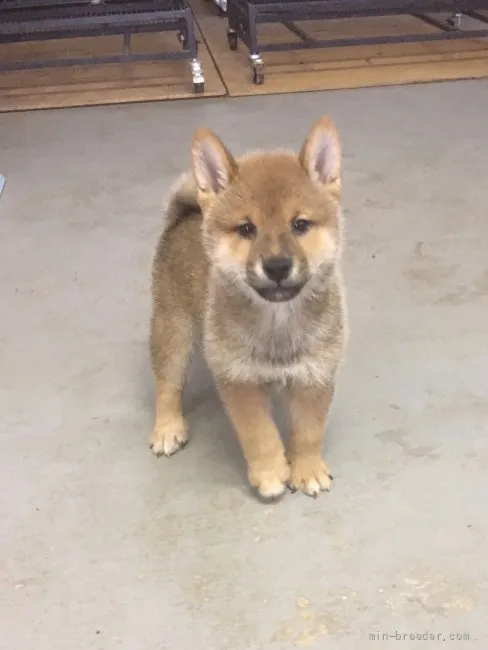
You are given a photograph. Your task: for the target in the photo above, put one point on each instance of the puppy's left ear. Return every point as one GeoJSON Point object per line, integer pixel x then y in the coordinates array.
{"type": "Point", "coordinates": [320, 154]}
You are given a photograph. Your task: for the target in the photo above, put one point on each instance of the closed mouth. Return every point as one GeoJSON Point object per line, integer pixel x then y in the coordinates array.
{"type": "Point", "coordinates": [279, 293]}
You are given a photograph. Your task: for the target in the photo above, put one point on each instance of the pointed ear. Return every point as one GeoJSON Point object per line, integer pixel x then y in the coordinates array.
{"type": "Point", "coordinates": [213, 165]}
{"type": "Point", "coordinates": [320, 154]}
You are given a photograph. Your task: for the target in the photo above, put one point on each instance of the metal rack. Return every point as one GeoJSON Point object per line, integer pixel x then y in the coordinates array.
{"type": "Point", "coordinates": [37, 20]}
{"type": "Point", "coordinates": [245, 15]}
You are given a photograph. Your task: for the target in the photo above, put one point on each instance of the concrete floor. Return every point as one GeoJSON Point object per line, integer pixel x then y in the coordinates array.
{"type": "Point", "coordinates": [102, 546]}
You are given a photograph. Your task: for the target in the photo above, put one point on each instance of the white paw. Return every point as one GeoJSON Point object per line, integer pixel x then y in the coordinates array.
{"type": "Point", "coordinates": [270, 477]}
{"type": "Point", "coordinates": [310, 475]}
{"type": "Point", "coordinates": [168, 437]}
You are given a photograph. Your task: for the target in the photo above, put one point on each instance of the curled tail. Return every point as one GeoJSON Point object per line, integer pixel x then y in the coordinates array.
{"type": "Point", "coordinates": [181, 202]}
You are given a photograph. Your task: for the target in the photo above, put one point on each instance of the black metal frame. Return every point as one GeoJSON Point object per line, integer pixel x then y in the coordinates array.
{"type": "Point", "coordinates": [245, 15]}
{"type": "Point", "coordinates": [39, 20]}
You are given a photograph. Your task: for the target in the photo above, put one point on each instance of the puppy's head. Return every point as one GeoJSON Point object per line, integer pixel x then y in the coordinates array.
{"type": "Point", "coordinates": [271, 220]}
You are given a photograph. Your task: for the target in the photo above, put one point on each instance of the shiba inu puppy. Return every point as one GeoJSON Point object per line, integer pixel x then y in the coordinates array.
{"type": "Point", "coordinates": [249, 264]}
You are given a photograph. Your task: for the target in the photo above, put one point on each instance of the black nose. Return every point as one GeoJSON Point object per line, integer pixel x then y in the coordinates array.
{"type": "Point", "coordinates": [277, 268]}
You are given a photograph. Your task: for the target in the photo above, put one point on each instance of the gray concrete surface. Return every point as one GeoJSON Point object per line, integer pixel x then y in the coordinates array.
{"type": "Point", "coordinates": [102, 546]}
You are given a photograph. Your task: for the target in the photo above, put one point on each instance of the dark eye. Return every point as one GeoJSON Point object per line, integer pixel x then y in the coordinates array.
{"type": "Point", "coordinates": [247, 230]}
{"type": "Point", "coordinates": [301, 226]}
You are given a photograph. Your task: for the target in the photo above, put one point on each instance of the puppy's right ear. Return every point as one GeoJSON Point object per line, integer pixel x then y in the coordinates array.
{"type": "Point", "coordinates": [213, 165]}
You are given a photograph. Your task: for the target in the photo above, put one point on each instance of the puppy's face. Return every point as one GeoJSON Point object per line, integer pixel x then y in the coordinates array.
{"type": "Point", "coordinates": [271, 220]}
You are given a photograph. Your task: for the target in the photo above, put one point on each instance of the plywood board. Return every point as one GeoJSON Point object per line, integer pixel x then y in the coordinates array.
{"type": "Point", "coordinates": [101, 84]}
{"type": "Point", "coordinates": [347, 67]}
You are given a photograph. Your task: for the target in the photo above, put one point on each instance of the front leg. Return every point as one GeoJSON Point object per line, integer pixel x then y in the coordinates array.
{"type": "Point", "coordinates": [308, 407]}
{"type": "Point", "coordinates": [248, 408]}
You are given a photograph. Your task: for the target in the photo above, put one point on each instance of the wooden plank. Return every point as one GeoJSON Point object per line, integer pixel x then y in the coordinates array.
{"type": "Point", "coordinates": [348, 67]}
{"type": "Point", "coordinates": [101, 84]}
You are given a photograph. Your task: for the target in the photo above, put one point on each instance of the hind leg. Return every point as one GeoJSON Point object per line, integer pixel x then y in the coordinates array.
{"type": "Point", "coordinates": [171, 344]}
{"type": "Point", "coordinates": [248, 408]}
